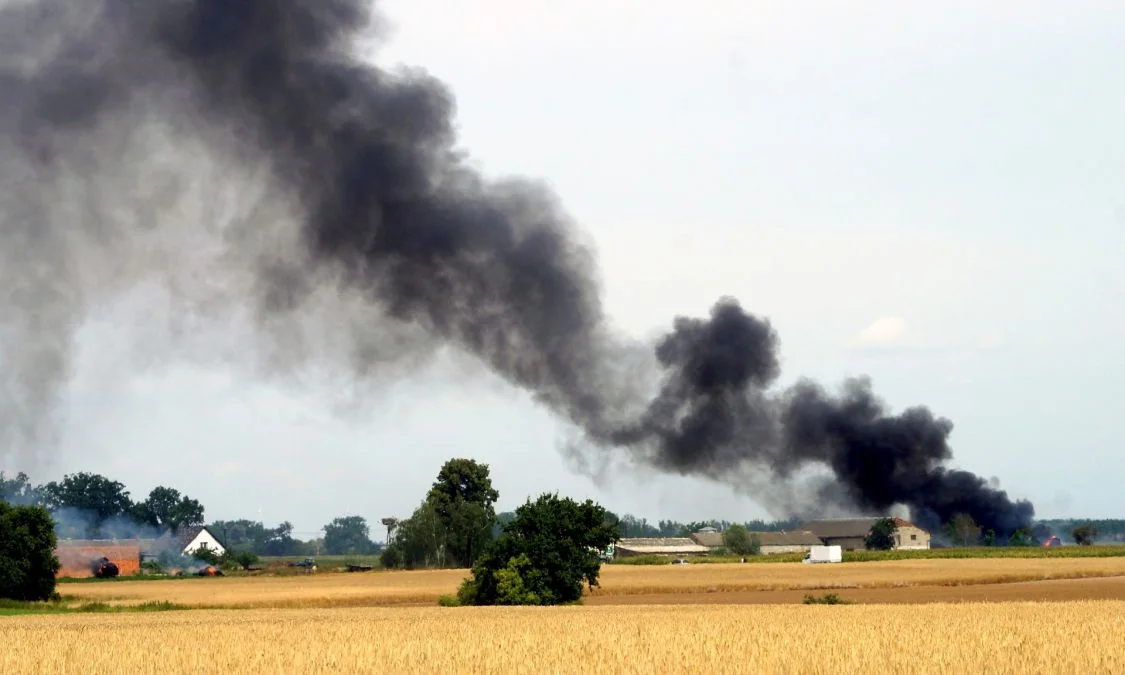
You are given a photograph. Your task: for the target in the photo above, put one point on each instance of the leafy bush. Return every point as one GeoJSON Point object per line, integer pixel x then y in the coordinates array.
{"type": "Point", "coordinates": [828, 599]}
{"type": "Point", "coordinates": [741, 542]}
{"type": "Point", "coordinates": [391, 557]}
{"type": "Point", "coordinates": [151, 567]}
{"type": "Point", "coordinates": [514, 582]}
{"type": "Point", "coordinates": [1084, 535]}
{"type": "Point", "coordinates": [208, 556]}
{"type": "Point", "coordinates": [28, 564]}
{"type": "Point", "coordinates": [543, 556]}
{"type": "Point", "coordinates": [244, 559]}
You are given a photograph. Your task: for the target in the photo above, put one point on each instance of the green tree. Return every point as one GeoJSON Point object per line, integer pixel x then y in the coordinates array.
{"type": "Point", "coordinates": [1084, 535]}
{"type": "Point", "coordinates": [463, 499]}
{"type": "Point", "coordinates": [18, 491]}
{"type": "Point", "coordinates": [166, 507]}
{"type": "Point", "coordinates": [740, 541]}
{"type": "Point", "coordinates": [419, 541]}
{"type": "Point", "coordinates": [245, 559]}
{"type": "Point", "coordinates": [1020, 537]}
{"type": "Point", "coordinates": [280, 541]}
{"type": "Point", "coordinates": [28, 564]}
{"type": "Point", "coordinates": [347, 536]}
{"type": "Point", "coordinates": [962, 530]}
{"type": "Point", "coordinates": [543, 556]}
{"type": "Point", "coordinates": [882, 535]}
{"type": "Point", "coordinates": [94, 497]}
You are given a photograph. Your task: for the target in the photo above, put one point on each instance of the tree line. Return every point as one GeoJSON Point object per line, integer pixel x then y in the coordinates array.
{"type": "Point", "coordinates": [91, 506]}
{"type": "Point", "coordinates": [962, 530]}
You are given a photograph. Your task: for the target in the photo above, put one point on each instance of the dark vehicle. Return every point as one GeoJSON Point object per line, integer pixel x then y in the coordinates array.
{"type": "Point", "coordinates": [105, 568]}
{"type": "Point", "coordinates": [308, 564]}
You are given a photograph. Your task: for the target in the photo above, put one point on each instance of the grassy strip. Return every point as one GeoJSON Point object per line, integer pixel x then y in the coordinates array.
{"type": "Point", "coordinates": [137, 577]}
{"type": "Point", "coordinates": [925, 554]}
{"type": "Point", "coordinates": [66, 606]}
{"type": "Point", "coordinates": [324, 560]}
{"type": "Point", "coordinates": [990, 552]}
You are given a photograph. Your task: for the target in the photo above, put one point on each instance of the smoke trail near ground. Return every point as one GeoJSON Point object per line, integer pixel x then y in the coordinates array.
{"type": "Point", "coordinates": [358, 221]}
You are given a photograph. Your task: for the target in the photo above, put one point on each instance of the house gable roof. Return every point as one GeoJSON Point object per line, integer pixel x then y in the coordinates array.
{"type": "Point", "coordinates": [181, 537]}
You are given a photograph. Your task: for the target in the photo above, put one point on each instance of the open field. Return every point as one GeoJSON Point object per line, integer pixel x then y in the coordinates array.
{"type": "Point", "coordinates": [705, 583]}
{"type": "Point", "coordinates": [1003, 638]}
{"type": "Point", "coordinates": [1101, 551]}
{"type": "Point", "coordinates": [1052, 590]}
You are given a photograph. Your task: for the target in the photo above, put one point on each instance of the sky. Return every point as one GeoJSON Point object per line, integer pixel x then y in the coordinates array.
{"type": "Point", "coordinates": [929, 195]}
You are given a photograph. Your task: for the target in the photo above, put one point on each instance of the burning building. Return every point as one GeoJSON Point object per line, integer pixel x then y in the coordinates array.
{"type": "Point", "coordinates": [81, 559]}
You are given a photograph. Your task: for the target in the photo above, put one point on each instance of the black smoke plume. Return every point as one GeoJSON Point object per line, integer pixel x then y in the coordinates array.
{"type": "Point", "coordinates": [364, 236]}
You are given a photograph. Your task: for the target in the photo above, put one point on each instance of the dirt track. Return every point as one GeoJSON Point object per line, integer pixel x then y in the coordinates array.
{"type": "Point", "coordinates": [1106, 588]}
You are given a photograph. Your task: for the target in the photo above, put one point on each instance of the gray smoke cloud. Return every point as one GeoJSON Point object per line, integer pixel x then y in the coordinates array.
{"type": "Point", "coordinates": [243, 156]}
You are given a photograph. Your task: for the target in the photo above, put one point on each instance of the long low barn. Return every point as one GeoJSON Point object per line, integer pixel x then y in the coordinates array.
{"type": "Point", "coordinates": [787, 542]}
{"type": "Point", "coordinates": [772, 542]}
{"type": "Point", "coordinates": [671, 546]}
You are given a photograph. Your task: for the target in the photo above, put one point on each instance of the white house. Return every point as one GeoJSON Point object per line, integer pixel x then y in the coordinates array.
{"type": "Point", "coordinates": [188, 540]}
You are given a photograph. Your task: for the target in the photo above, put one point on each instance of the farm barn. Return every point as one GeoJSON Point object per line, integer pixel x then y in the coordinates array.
{"type": "Point", "coordinates": [673, 546]}
{"type": "Point", "coordinates": [849, 533]}
{"type": "Point", "coordinates": [787, 542]}
{"type": "Point", "coordinates": [772, 542]}
{"type": "Point", "coordinates": [709, 537]}
{"type": "Point", "coordinates": [79, 556]}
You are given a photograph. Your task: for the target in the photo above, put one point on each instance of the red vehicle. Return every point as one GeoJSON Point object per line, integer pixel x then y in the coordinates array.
{"type": "Point", "coordinates": [1052, 541]}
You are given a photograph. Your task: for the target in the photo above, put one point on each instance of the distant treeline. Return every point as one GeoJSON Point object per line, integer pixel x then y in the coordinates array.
{"type": "Point", "coordinates": [629, 526]}
{"type": "Point", "coordinates": [1108, 529]}
{"type": "Point", "coordinates": [91, 505]}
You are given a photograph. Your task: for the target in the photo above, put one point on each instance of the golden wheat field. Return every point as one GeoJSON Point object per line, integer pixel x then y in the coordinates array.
{"type": "Point", "coordinates": [424, 587]}
{"type": "Point", "coordinates": [984, 638]}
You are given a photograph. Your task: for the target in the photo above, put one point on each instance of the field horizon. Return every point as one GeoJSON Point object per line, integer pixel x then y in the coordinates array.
{"type": "Point", "coordinates": [718, 582]}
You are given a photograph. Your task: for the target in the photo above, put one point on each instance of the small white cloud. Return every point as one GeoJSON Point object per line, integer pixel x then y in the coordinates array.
{"type": "Point", "coordinates": [884, 332]}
